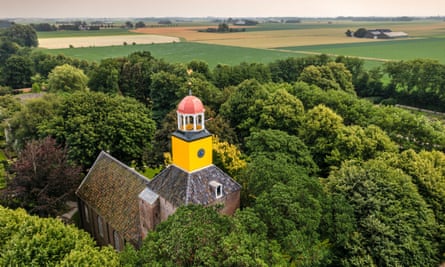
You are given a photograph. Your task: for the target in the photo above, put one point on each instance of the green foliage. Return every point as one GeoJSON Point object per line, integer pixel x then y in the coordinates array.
{"type": "Point", "coordinates": [105, 77]}
{"type": "Point", "coordinates": [428, 171]}
{"type": "Point", "coordinates": [281, 111]}
{"type": "Point", "coordinates": [394, 224]}
{"type": "Point", "coordinates": [190, 237]}
{"type": "Point", "coordinates": [274, 144]}
{"type": "Point", "coordinates": [331, 76]}
{"type": "Point", "coordinates": [68, 79]}
{"type": "Point", "coordinates": [24, 123]}
{"type": "Point", "coordinates": [200, 236]}
{"type": "Point", "coordinates": [44, 179]}
{"type": "Point", "coordinates": [17, 71]}
{"type": "Point", "coordinates": [417, 82]}
{"type": "Point", "coordinates": [32, 241]}
{"type": "Point", "coordinates": [89, 122]}
{"type": "Point", "coordinates": [24, 35]}
{"type": "Point", "coordinates": [292, 213]}
{"type": "Point", "coordinates": [243, 107]}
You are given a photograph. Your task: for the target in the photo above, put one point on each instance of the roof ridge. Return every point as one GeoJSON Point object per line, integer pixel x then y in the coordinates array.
{"type": "Point", "coordinates": [187, 192]}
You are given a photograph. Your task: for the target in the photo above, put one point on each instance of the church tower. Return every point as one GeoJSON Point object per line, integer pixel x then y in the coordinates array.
{"type": "Point", "coordinates": [191, 142]}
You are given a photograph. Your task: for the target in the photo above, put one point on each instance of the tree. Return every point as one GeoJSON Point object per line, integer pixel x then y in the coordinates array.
{"type": "Point", "coordinates": [247, 243]}
{"type": "Point", "coordinates": [320, 129]}
{"type": "Point", "coordinates": [24, 35]}
{"type": "Point", "coordinates": [89, 122]}
{"type": "Point", "coordinates": [263, 171]}
{"type": "Point", "coordinates": [427, 169]}
{"type": "Point", "coordinates": [192, 236]}
{"type": "Point", "coordinates": [24, 124]}
{"type": "Point", "coordinates": [67, 78]}
{"type": "Point", "coordinates": [44, 178]}
{"type": "Point", "coordinates": [7, 49]}
{"type": "Point", "coordinates": [139, 24]}
{"type": "Point", "coordinates": [360, 33]}
{"type": "Point", "coordinates": [227, 157]}
{"type": "Point", "coordinates": [105, 77]}
{"type": "Point", "coordinates": [275, 143]}
{"type": "Point", "coordinates": [292, 213]}
{"type": "Point", "coordinates": [394, 224]}
{"type": "Point", "coordinates": [17, 71]}
{"type": "Point", "coordinates": [129, 24]}
{"type": "Point", "coordinates": [32, 241]}
{"type": "Point", "coordinates": [243, 107]}
{"type": "Point", "coordinates": [164, 93]}
{"type": "Point", "coordinates": [329, 76]}
{"type": "Point", "coordinates": [282, 111]}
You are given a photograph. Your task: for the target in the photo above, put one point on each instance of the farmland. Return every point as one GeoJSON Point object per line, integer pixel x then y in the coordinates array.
{"type": "Point", "coordinates": [268, 42]}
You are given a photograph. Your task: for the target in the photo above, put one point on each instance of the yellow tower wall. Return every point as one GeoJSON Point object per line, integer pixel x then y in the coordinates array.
{"type": "Point", "coordinates": [185, 153]}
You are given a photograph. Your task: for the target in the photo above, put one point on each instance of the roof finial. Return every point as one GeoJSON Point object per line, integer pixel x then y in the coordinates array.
{"type": "Point", "coordinates": [190, 91]}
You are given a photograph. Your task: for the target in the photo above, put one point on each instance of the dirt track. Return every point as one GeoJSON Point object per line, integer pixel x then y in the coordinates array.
{"type": "Point", "coordinates": [53, 43]}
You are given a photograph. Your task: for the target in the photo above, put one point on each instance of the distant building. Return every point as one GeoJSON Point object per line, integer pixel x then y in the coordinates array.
{"type": "Point", "coordinates": [384, 34]}
{"type": "Point", "coordinates": [118, 205]}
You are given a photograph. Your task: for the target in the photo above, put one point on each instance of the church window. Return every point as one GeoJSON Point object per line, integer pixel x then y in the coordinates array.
{"type": "Point", "coordinates": [100, 226]}
{"type": "Point", "coordinates": [217, 188]}
{"type": "Point", "coordinates": [87, 215]}
{"type": "Point", "coordinates": [117, 239]}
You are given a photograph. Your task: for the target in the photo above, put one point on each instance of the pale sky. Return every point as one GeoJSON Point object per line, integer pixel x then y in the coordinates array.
{"type": "Point", "coordinates": [222, 8]}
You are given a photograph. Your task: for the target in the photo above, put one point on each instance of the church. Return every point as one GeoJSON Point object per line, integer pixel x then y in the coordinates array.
{"type": "Point", "coordinates": [117, 205]}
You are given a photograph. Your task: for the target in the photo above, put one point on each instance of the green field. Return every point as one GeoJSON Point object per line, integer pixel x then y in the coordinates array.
{"type": "Point", "coordinates": [404, 49]}
{"type": "Point", "coordinates": [61, 34]}
{"type": "Point", "coordinates": [182, 52]}
{"type": "Point", "coordinates": [427, 40]}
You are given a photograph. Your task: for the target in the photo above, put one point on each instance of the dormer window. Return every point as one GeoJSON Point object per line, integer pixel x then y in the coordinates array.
{"type": "Point", "coordinates": [217, 189]}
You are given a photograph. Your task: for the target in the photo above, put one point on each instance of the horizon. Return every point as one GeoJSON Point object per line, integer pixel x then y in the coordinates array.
{"type": "Point", "coordinates": [53, 9]}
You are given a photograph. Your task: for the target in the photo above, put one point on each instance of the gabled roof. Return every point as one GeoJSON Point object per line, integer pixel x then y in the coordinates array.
{"type": "Point", "coordinates": [396, 34]}
{"type": "Point", "coordinates": [180, 187]}
{"type": "Point", "coordinates": [111, 188]}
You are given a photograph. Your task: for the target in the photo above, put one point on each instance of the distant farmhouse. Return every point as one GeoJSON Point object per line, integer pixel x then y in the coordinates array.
{"type": "Point", "coordinates": [375, 34]}
{"type": "Point", "coordinates": [384, 34]}
{"type": "Point", "coordinates": [118, 205]}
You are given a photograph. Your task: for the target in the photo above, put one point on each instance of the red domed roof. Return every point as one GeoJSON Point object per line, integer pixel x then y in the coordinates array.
{"type": "Point", "coordinates": [190, 105]}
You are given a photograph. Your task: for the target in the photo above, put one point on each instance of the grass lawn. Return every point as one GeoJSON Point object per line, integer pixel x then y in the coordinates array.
{"type": "Point", "coordinates": [182, 52]}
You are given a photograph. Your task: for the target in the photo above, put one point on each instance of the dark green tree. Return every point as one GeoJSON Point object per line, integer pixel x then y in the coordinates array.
{"type": "Point", "coordinates": [89, 122]}
{"type": "Point", "coordinates": [105, 77]}
{"type": "Point", "coordinates": [293, 213]}
{"type": "Point", "coordinates": [192, 236]}
{"type": "Point", "coordinates": [275, 143]}
{"type": "Point", "coordinates": [17, 71]}
{"type": "Point", "coordinates": [394, 224]}
{"type": "Point", "coordinates": [243, 107]}
{"type": "Point", "coordinates": [24, 35]}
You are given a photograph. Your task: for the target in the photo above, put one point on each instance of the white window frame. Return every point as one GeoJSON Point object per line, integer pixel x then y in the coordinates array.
{"type": "Point", "coordinates": [217, 188]}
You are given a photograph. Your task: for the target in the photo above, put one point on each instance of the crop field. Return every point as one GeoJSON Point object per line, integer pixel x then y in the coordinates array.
{"type": "Point", "coordinates": [182, 52]}
{"type": "Point", "coordinates": [270, 41]}
{"type": "Point", "coordinates": [102, 41]}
